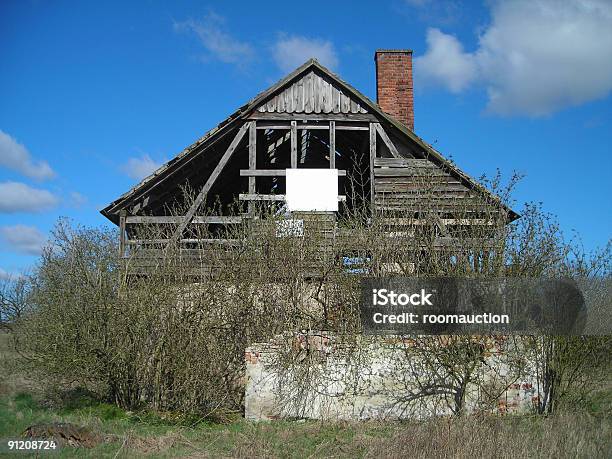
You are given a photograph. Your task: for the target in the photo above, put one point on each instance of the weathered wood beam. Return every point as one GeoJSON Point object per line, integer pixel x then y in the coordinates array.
{"type": "Point", "coordinates": [294, 144]}
{"type": "Point", "coordinates": [352, 128]}
{"type": "Point", "coordinates": [274, 126]}
{"type": "Point", "coordinates": [261, 197]}
{"type": "Point", "coordinates": [165, 241]}
{"type": "Point", "coordinates": [271, 197]}
{"type": "Point", "coordinates": [372, 158]}
{"type": "Point", "coordinates": [404, 162]}
{"type": "Point", "coordinates": [211, 219]}
{"type": "Point", "coordinates": [272, 172]}
{"type": "Point", "coordinates": [409, 171]}
{"type": "Point", "coordinates": [300, 126]}
{"type": "Point", "coordinates": [201, 197]}
{"type": "Point", "coordinates": [448, 242]}
{"type": "Point", "coordinates": [313, 117]}
{"type": "Point", "coordinates": [332, 144]}
{"type": "Point", "coordinates": [403, 221]}
{"type": "Point", "coordinates": [252, 157]}
{"type": "Point", "coordinates": [122, 232]}
{"type": "Point", "coordinates": [387, 141]}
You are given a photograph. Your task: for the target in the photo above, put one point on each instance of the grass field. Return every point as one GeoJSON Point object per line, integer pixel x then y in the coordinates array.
{"type": "Point", "coordinates": [586, 433]}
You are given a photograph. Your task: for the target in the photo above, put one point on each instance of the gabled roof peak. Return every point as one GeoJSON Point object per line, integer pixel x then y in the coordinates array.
{"type": "Point", "coordinates": [244, 112]}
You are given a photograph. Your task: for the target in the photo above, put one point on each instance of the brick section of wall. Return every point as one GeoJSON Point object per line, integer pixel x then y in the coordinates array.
{"type": "Point", "coordinates": [394, 90]}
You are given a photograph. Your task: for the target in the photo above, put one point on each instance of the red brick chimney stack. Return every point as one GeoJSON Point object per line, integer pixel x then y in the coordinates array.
{"type": "Point", "coordinates": [394, 84]}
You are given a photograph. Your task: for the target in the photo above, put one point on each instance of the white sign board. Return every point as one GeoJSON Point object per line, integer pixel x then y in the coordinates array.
{"type": "Point", "coordinates": [312, 190]}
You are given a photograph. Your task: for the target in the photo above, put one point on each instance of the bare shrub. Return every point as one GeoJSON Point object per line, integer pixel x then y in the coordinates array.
{"type": "Point", "coordinates": [167, 324]}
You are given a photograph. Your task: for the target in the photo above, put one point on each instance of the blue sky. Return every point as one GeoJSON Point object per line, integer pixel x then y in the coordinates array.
{"type": "Point", "coordinates": [94, 95]}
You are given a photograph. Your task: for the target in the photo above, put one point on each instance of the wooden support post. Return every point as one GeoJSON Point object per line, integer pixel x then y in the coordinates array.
{"type": "Point", "coordinates": [385, 138]}
{"type": "Point", "coordinates": [372, 156]}
{"type": "Point", "coordinates": [294, 141]}
{"type": "Point", "coordinates": [122, 233]}
{"type": "Point", "coordinates": [201, 197]}
{"type": "Point", "coordinates": [252, 160]}
{"type": "Point", "coordinates": [332, 144]}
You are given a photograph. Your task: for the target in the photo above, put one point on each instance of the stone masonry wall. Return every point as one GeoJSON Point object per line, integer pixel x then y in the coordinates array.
{"type": "Point", "coordinates": [313, 376]}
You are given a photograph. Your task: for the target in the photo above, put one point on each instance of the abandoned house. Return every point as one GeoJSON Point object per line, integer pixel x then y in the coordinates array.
{"type": "Point", "coordinates": [299, 146]}
{"type": "Point", "coordinates": [313, 148]}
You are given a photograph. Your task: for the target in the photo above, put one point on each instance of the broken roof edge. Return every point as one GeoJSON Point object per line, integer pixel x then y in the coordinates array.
{"type": "Point", "coordinates": [110, 211]}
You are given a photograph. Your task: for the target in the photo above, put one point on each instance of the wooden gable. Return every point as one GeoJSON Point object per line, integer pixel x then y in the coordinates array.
{"type": "Point", "coordinates": [314, 92]}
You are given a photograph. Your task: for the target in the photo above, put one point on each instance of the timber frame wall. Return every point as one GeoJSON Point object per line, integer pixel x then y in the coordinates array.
{"type": "Point", "coordinates": [387, 174]}
{"type": "Point", "coordinates": [403, 170]}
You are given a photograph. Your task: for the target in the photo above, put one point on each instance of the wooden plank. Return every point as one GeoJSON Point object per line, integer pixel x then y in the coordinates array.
{"type": "Point", "coordinates": [271, 105]}
{"type": "Point", "coordinates": [274, 126]}
{"type": "Point", "coordinates": [196, 241]}
{"type": "Point", "coordinates": [387, 141]}
{"type": "Point", "coordinates": [366, 117]}
{"type": "Point", "coordinates": [261, 197]}
{"type": "Point", "coordinates": [294, 144]}
{"type": "Point", "coordinates": [272, 197]}
{"type": "Point", "coordinates": [372, 158]}
{"type": "Point", "coordinates": [252, 158]}
{"type": "Point", "coordinates": [299, 96]}
{"type": "Point", "coordinates": [406, 172]}
{"type": "Point", "coordinates": [332, 145]}
{"type": "Point", "coordinates": [311, 88]}
{"type": "Point", "coordinates": [252, 153]}
{"type": "Point", "coordinates": [399, 221]}
{"type": "Point", "coordinates": [335, 100]}
{"type": "Point", "coordinates": [280, 102]}
{"type": "Point", "coordinates": [279, 126]}
{"type": "Point", "coordinates": [317, 93]}
{"type": "Point", "coordinates": [417, 180]}
{"type": "Point", "coordinates": [308, 93]}
{"type": "Point", "coordinates": [122, 232]}
{"type": "Point", "coordinates": [201, 197]}
{"type": "Point", "coordinates": [163, 219]}
{"type": "Point", "coordinates": [391, 187]}
{"type": "Point", "coordinates": [352, 128]}
{"type": "Point", "coordinates": [327, 97]}
{"type": "Point", "coordinates": [312, 127]}
{"type": "Point", "coordinates": [403, 162]}
{"type": "Point", "coordinates": [273, 173]}
{"type": "Point", "coordinates": [345, 103]}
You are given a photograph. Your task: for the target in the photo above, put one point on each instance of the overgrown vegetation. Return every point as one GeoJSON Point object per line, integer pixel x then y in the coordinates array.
{"type": "Point", "coordinates": [164, 330]}
{"type": "Point", "coordinates": [134, 434]}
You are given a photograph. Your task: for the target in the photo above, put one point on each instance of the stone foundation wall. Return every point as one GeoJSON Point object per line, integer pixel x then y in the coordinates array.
{"type": "Point", "coordinates": [316, 376]}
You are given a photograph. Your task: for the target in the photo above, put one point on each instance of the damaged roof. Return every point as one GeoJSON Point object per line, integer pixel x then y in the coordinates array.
{"type": "Point", "coordinates": [111, 211]}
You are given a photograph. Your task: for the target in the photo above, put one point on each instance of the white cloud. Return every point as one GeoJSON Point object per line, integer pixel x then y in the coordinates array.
{"type": "Point", "coordinates": [23, 239]}
{"type": "Point", "coordinates": [289, 52]}
{"type": "Point", "coordinates": [217, 41]}
{"type": "Point", "coordinates": [139, 168]}
{"type": "Point", "coordinates": [15, 156]}
{"type": "Point", "coordinates": [19, 197]}
{"type": "Point", "coordinates": [536, 57]}
{"type": "Point", "coordinates": [445, 64]}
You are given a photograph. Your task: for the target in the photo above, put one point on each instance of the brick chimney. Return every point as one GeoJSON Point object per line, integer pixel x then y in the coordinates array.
{"type": "Point", "coordinates": [394, 84]}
